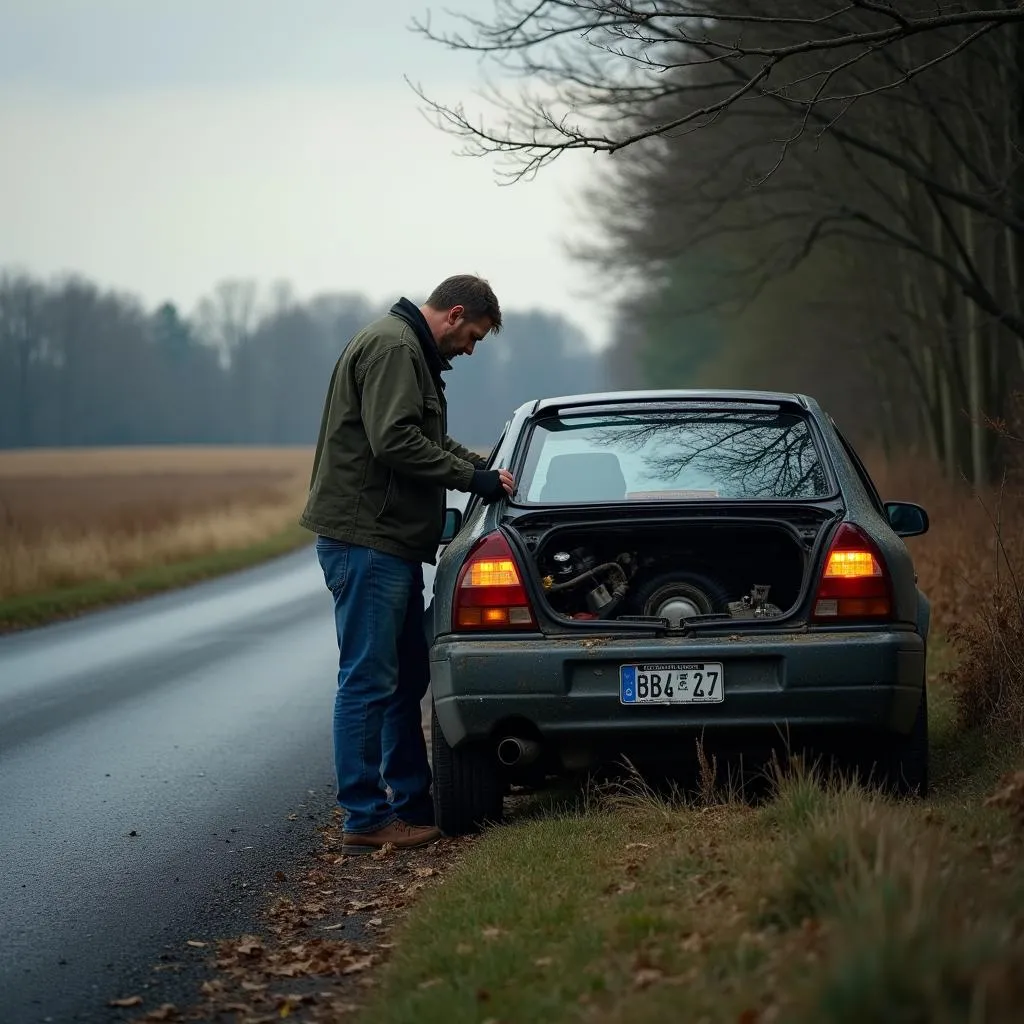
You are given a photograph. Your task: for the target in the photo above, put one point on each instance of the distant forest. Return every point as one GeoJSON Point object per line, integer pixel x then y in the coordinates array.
{"type": "Point", "coordinates": [83, 366]}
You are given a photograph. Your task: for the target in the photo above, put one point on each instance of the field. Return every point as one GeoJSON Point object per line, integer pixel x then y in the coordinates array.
{"type": "Point", "coordinates": [84, 527]}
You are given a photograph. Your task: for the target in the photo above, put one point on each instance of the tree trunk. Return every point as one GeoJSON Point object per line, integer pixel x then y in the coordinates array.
{"type": "Point", "coordinates": [977, 373]}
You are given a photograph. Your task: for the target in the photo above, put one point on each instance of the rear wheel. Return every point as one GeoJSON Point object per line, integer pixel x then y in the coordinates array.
{"type": "Point", "coordinates": [908, 756]}
{"type": "Point", "coordinates": [467, 788]}
{"type": "Point", "coordinates": [900, 767]}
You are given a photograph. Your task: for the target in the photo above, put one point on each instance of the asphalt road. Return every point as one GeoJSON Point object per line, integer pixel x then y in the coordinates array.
{"type": "Point", "coordinates": [152, 758]}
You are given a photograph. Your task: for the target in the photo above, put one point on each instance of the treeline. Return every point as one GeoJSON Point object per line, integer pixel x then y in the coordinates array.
{"type": "Point", "coordinates": [810, 194]}
{"type": "Point", "coordinates": [83, 366]}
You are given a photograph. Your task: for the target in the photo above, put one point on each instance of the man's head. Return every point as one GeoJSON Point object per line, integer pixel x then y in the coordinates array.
{"type": "Point", "coordinates": [460, 311]}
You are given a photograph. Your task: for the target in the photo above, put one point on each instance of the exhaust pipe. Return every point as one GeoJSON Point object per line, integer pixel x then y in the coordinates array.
{"type": "Point", "coordinates": [514, 752]}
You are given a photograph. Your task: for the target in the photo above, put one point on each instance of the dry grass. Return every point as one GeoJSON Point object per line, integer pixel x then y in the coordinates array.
{"type": "Point", "coordinates": [829, 904]}
{"type": "Point", "coordinates": [70, 517]}
{"type": "Point", "coordinates": [971, 566]}
{"type": "Point", "coordinates": [975, 544]}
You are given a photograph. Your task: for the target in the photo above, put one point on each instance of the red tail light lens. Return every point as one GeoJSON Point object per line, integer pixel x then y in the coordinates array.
{"type": "Point", "coordinates": [490, 593]}
{"type": "Point", "coordinates": [854, 583]}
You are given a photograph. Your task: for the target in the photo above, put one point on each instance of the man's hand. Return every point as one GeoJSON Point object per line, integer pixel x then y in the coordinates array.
{"type": "Point", "coordinates": [492, 484]}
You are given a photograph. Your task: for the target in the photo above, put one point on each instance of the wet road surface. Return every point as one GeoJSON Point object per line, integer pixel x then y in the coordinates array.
{"type": "Point", "coordinates": [154, 759]}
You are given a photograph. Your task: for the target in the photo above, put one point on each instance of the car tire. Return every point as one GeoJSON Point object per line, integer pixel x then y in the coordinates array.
{"type": "Point", "coordinates": [905, 771]}
{"type": "Point", "coordinates": [468, 791]}
{"type": "Point", "coordinates": [714, 595]}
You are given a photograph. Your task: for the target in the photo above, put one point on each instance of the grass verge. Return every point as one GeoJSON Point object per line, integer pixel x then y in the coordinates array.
{"type": "Point", "coordinates": [27, 610]}
{"type": "Point", "coordinates": [828, 904]}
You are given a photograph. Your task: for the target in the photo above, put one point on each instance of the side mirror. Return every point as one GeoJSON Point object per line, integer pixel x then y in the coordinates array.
{"type": "Point", "coordinates": [452, 524]}
{"type": "Point", "coordinates": [906, 519]}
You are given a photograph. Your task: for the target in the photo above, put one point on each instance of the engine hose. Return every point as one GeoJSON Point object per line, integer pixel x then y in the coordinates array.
{"type": "Point", "coordinates": [589, 574]}
{"type": "Point", "coordinates": [617, 595]}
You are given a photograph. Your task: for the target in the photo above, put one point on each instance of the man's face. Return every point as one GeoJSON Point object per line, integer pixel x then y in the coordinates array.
{"type": "Point", "coordinates": [460, 335]}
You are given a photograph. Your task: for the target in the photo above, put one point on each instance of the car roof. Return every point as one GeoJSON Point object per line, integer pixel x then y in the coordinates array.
{"type": "Point", "coordinates": [672, 395]}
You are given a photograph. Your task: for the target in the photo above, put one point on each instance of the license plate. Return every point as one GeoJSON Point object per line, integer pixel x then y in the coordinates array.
{"type": "Point", "coordinates": [697, 683]}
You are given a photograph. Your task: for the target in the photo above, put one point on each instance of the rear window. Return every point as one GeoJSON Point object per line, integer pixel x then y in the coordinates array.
{"type": "Point", "coordinates": [671, 456]}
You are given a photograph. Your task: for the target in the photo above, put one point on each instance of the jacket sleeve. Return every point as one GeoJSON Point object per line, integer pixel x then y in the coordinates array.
{"type": "Point", "coordinates": [477, 461]}
{"type": "Point", "coordinates": [391, 407]}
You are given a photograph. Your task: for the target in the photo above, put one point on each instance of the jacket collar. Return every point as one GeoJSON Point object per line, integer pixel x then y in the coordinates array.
{"type": "Point", "coordinates": [410, 313]}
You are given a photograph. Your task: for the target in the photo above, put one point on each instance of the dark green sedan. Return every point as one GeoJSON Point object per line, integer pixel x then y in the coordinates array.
{"type": "Point", "coordinates": [674, 566]}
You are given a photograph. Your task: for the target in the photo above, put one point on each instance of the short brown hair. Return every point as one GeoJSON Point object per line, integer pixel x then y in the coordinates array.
{"type": "Point", "coordinates": [471, 292]}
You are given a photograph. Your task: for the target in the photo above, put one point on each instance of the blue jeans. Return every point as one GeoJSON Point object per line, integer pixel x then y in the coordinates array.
{"type": "Point", "coordinates": [383, 674]}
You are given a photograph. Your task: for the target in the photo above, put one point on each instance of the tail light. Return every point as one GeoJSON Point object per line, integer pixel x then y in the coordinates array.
{"type": "Point", "coordinates": [490, 593]}
{"type": "Point", "coordinates": [854, 583]}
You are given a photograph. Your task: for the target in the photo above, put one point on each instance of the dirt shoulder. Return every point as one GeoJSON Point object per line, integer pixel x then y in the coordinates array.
{"type": "Point", "coordinates": [323, 933]}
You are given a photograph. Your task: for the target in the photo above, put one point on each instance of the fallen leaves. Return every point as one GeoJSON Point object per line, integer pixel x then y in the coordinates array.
{"type": "Point", "coordinates": [165, 1012]}
{"type": "Point", "coordinates": [126, 1002]}
{"type": "Point", "coordinates": [316, 957]}
{"type": "Point", "coordinates": [249, 945]}
{"type": "Point", "coordinates": [360, 964]}
{"type": "Point", "coordinates": [265, 975]}
{"type": "Point", "coordinates": [355, 906]}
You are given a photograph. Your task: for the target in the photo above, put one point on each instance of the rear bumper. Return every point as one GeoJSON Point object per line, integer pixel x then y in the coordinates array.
{"type": "Point", "coordinates": [568, 689]}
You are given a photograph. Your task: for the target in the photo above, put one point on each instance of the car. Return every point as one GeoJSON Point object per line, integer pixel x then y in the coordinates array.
{"type": "Point", "coordinates": [673, 566]}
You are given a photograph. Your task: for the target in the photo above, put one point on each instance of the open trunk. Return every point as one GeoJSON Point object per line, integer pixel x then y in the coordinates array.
{"type": "Point", "coordinates": [674, 572]}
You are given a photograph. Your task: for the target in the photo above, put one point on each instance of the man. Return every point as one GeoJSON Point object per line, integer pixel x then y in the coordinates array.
{"type": "Point", "coordinates": [376, 502]}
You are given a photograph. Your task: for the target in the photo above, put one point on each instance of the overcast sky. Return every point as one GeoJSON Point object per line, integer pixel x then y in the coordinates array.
{"type": "Point", "coordinates": [162, 145]}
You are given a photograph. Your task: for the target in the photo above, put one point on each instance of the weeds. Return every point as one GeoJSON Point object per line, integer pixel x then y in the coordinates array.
{"type": "Point", "coordinates": [634, 790]}
{"type": "Point", "coordinates": [971, 566]}
{"type": "Point", "coordinates": [849, 838]}
{"type": "Point", "coordinates": [829, 904]}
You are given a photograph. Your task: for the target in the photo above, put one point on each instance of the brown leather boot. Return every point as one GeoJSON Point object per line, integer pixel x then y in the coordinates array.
{"type": "Point", "coordinates": [398, 834]}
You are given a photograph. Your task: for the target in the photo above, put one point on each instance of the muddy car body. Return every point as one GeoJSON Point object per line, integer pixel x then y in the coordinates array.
{"type": "Point", "coordinates": [674, 565]}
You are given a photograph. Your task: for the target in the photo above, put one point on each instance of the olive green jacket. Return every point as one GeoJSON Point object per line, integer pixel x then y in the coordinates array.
{"type": "Point", "coordinates": [383, 456]}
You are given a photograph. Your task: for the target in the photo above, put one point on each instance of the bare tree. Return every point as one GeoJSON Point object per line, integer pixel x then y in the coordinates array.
{"type": "Point", "coordinates": [893, 131]}
{"type": "Point", "coordinates": [227, 318]}
{"type": "Point", "coordinates": [21, 346]}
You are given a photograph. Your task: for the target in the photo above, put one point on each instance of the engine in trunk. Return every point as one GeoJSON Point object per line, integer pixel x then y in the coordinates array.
{"type": "Point", "coordinates": [672, 572]}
